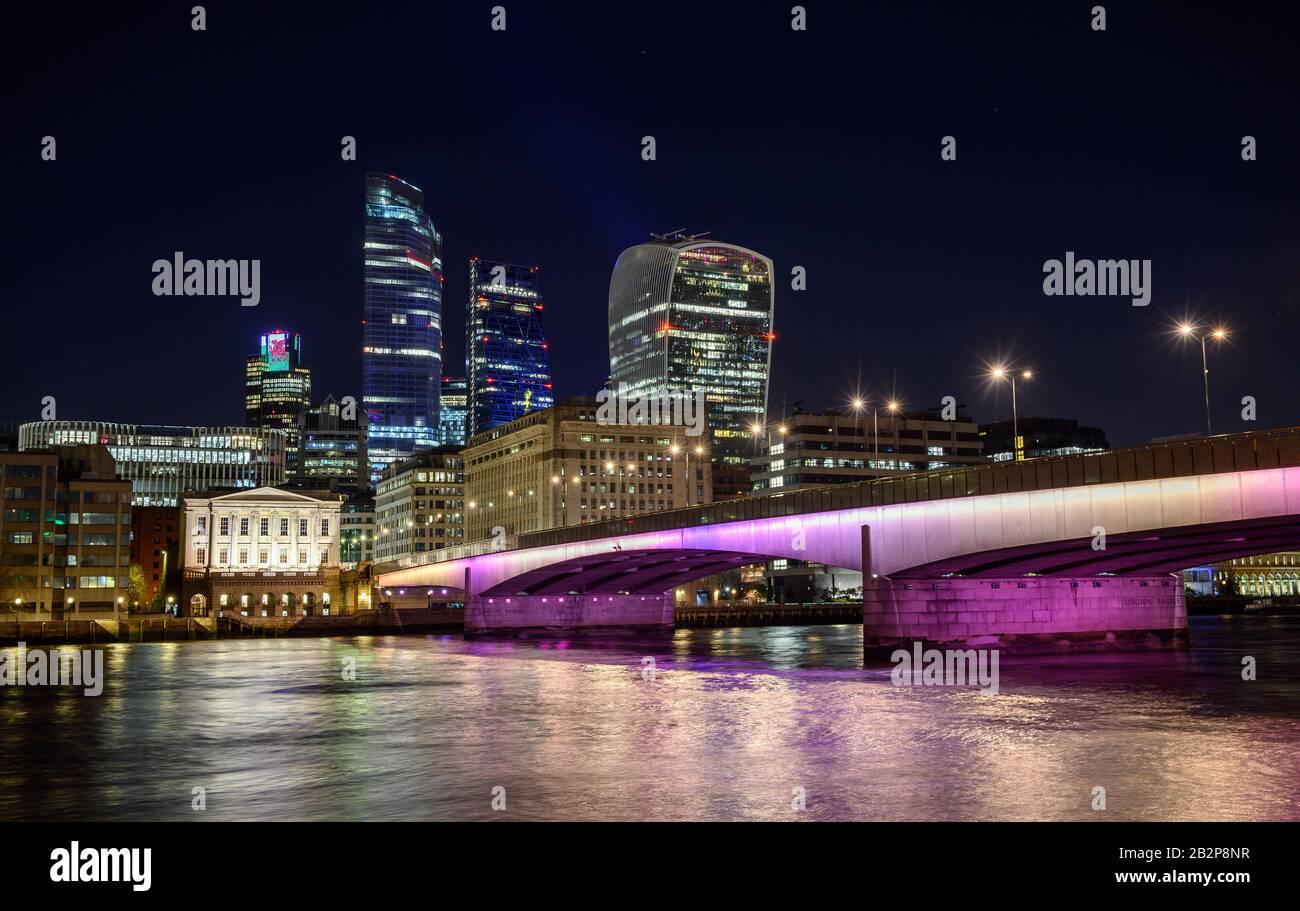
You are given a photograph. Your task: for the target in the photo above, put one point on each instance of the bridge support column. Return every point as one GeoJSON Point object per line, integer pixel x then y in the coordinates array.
{"type": "Point", "coordinates": [1024, 614]}
{"type": "Point", "coordinates": [544, 616]}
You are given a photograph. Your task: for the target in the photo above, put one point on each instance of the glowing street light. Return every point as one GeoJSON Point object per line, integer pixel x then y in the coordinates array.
{"type": "Point", "coordinates": [1219, 334]}
{"type": "Point", "coordinates": [1002, 373]}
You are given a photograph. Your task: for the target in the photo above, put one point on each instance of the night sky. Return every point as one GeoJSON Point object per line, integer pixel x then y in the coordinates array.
{"type": "Point", "coordinates": [817, 148]}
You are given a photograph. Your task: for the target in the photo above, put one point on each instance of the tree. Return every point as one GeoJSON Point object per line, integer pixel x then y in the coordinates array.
{"type": "Point", "coordinates": [136, 587]}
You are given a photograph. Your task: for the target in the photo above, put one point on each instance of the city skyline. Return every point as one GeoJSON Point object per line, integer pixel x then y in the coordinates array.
{"type": "Point", "coordinates": [733, 412]}
{"type": "Point", "coordinates": [937, 312]}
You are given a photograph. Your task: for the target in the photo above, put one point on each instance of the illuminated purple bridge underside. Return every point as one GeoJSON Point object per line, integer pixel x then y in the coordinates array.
{"type": "Point", "coordinates": [936, 570]}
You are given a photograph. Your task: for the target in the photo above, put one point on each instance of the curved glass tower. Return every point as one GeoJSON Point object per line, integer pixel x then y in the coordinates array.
{"type": "Point", "coordinates": [687, 315]}
{"type": "Point", "coordinates": [507, 365]}
{"type": "Point", "coordinates": [401, 359]}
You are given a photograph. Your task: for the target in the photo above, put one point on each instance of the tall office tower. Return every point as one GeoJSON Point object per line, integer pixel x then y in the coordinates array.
{"type": "Point", "coordinates": [687, 314]}
{"type": "Point", "coordinates": [401, 355]}
{"type": "Point", "coordinates": [332, 448]}
{"type": "Point", "coordinates": [453, 411]}
{"type": "Point", "coordinates": [507, 366]}
{"type": "Point", "coordinates": [277, 388]}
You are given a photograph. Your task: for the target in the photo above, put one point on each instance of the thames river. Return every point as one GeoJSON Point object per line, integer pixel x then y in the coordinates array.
{"type": "Point", "coordinates": [779, 723]}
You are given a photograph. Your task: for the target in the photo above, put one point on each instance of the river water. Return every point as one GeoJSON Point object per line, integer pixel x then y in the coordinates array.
{"type": "Point", "coordinates": [729, 725]}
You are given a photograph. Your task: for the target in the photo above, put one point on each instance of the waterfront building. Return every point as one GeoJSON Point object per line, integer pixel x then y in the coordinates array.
{"type": "Point", "coordinates": [1041, 437]}
{"type": "Point", "coordinates": [162, 462]}
{"type": "Point", "coordinates": [814, 450]}
{"type": "Point", "coordinates": [401, 354]}
{"type": "Point", "coordinates": [453, 414]}
{"type": "Point", "coordinates": [1265, 576]}
{"type": "Point", "coordinates": [507, 363]}
{"type": "Point", "coordinates": [260, 553]}
{"type": "Point", "coordinates": [420, 505]}
{"type": "Point", "coordinates": [357, 536]}
{"type": "Point", "coordinates": [690, 314]}
{"type": "Point", "coordinates": [277, 388]}
{"type": "Point", "coordinates": [560, 467]}
{"type": "Point", "coordinates": [155, 548]}
{"type": "Point", "coordinates": [332, 448]}
{"type": "Point", "coordinates": [65, 534]}
{"type": "Point", "coordinates": [817, 450]}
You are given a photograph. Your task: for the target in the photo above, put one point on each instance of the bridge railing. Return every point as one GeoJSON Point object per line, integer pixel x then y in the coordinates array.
{"type": "Point", "coordinates": [1182, 458]}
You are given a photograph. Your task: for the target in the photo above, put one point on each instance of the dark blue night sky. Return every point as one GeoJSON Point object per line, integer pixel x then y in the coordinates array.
{"type": "Point", "coordinates": [819, 148]}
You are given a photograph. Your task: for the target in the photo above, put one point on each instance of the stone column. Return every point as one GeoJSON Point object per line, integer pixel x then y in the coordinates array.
{"type": "Point", "coordinates": [1025, 614]}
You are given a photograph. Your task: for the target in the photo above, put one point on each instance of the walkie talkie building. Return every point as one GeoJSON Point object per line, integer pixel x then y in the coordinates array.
{"type": "Point", "coordinates": [687, 314]}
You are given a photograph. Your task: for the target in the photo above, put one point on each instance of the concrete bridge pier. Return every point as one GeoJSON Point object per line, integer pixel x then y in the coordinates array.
{"type": "Point", "coordinates": [1021, 614]}
{"type": "Point", "coordinates": [568, 616]}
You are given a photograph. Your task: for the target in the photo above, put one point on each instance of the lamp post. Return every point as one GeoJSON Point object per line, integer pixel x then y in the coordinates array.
{"type": "Point", "coordinates": [857, 405]}
{"type": "Point", "coordinates": [892, 406]}
{"type": "Point", "coordinates": [1218, 334]}
{"type": "Point", "coordinates": [1001, 373]}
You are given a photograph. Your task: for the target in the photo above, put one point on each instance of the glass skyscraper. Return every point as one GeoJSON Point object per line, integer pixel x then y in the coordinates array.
{"type": "Point", "coordinates": [507, 365]}
{"type": "Point", "coordinates": [453, 411]}
{"type": "Point", "coordinates": [277, 387]}
{"type": "Point", "coordinates": [687, 314]}
{"type": "Point", "coordinates": [401, 355]}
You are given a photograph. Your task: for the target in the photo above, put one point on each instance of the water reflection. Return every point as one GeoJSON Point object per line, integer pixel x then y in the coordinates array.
{"type": "Point", "coordinates": [732, 722]}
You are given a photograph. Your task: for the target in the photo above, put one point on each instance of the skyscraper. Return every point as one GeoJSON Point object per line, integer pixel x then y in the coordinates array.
{"type": "Point", "coordinates": [687, 314]}
{"type": "Point", "coordinates": [332, 448]}
{"type": "Point", "coordinates": [401, 359]}
{"type": "Point", "coordinates": [507, 366]}
{"type": "Point", "coordinates": [277, 387]}
{"type": "Point", "coordinates": [453, 411]}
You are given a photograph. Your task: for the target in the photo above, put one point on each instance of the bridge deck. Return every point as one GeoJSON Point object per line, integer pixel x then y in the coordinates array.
{"type": "Point", "coordinates": [1252, 451]}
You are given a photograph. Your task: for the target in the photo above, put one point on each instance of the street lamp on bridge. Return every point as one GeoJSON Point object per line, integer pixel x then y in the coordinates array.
{"type": "Point", "coordinates": [893, 406]}
{"type": "Point", "coordinates": [1187, 330]}
{"type": "Point", "coordinates": [1002, 373]}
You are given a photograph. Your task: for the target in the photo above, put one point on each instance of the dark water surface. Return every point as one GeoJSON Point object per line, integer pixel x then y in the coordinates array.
{"type": "Point", "coordinates": [733, 721]}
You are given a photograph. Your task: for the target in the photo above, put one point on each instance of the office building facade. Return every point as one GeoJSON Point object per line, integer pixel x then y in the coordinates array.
{"type": "Point", "coordinates": [561, 467]}
{"type": "Point", "coordinates": [1040, 437]}
{"type": "Point", "coordinates": [687, 314]}
{"type": "Point", "coordinates": [814, 450]}
{"type": "Point", "coordinates": [163, 462]}
{"type": "Point", "coordinates": [357, 536]}
{"type": "Point", "coordinates": [65, 534]}
{"type": "Point", "coordinates": [507, 361]}
{"type": "Point", "coordinates": [453, 413]}
{"type": "Point", "coordinates": [420, 505]}
{"type": "Point", "coordinates": [332, 448]}
{"type": "Point", "coordinates": [401, 355]}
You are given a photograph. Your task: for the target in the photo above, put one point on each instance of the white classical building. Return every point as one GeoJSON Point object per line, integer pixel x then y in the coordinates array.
{"type": "Point", "coordinates": [264, 552]}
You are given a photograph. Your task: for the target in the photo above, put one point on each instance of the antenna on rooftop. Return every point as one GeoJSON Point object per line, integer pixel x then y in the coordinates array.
{"type": "Point", "coordinates": [678, 236]}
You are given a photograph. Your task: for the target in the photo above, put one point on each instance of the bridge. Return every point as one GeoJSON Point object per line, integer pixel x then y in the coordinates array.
{"type": "Point", "coordinates": [1078, 551]}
